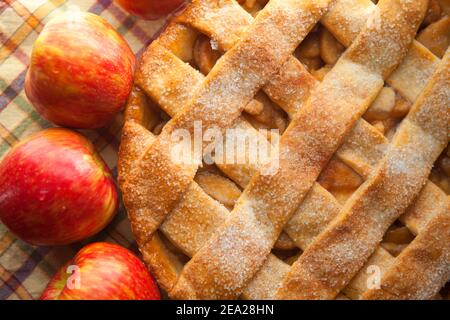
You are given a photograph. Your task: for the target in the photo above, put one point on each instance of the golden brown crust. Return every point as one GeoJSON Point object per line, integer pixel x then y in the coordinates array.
{"type": "Point", "coordinates": [422, 269]}
{"type": "Point", "coordinates": [436, 36]}
{"type": "Point", "coordinates": [162, 68]}
{"type": "Point", "coordinates": [163, 265]}
{"type": "Point", "coordinates": [345, 19]}
{"type": "Point", "coordinates": [424, 266]}
{"type": "Point", "coordinates": [248, 236]}
{"type": "Point", "coordinates": [352, 237]}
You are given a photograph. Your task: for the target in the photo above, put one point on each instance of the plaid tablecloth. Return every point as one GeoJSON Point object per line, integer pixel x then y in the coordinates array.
{"type": "Point", "coordinates": [24, 269]}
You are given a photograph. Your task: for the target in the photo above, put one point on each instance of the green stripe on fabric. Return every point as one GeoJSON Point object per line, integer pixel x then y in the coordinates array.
{"type": "Point", "coordinates": [3, 85]}
{"type": "Point", "coordinates": [32, 113]}
{"type": "Point", "coordinates": [4, 148]}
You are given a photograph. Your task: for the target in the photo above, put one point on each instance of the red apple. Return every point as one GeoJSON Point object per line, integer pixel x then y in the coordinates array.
{"type": "Point", "coordinates": [81, 71]}
{"type": "Point", "coordinates": [103, 271]}
{"type": "Point", "coordinates": [55, 189]}
{"type": "Point", "coordinates": [150, 9]}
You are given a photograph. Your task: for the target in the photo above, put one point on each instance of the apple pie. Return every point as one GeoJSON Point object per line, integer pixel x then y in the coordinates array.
{"type": "Point", "coordinates": [355, 94]}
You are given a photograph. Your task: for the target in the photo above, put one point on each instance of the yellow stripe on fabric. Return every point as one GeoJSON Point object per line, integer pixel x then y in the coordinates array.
{"type": "Point", "coordinates": [6, 135]}
{"type": "Point", "coordinates": [32, 23]}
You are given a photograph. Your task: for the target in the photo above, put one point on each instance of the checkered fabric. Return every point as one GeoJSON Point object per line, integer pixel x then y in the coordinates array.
{"type": "Point", "coordinates": [25, 270]}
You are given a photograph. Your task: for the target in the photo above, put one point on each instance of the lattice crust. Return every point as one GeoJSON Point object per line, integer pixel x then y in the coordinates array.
{"type": "Point", "coordinates": [345, 128]}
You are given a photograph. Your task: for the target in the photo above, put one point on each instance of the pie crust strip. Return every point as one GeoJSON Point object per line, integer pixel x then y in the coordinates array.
{"type": "Point", "coordinates": [160, 182]}
{"type": "Point", "coordinates": [345, 20]}
{"type": "Point", "coordinates": [246, 239]}
{"type": "Point", "coordinates": [187, 229]}
{"type": "Point", "coordinates": [192, 229]}
{"type": "Point", "coordinates": [225, 22]}
{"type": "Point", "coordinates": [424, 266]}
{"type": "Point", "coordinates": [291, 87]}
{"type": "Point", "coordinates": [291, 84]}
{"type": "Point", "coordinates": [296, 84]}
{"type": "Point", "coordinates": [345, 155]}
{"type": "Point", "coordinates": [311, 217]}
{"type": "Point", "coordinates": [184, 79]}
{"type": "Point", "coordinates": [337, 254]}
{"type": "Point", "coordinates": [422, 269]}
{"type": "Point", "coordinates": [194, 220]}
